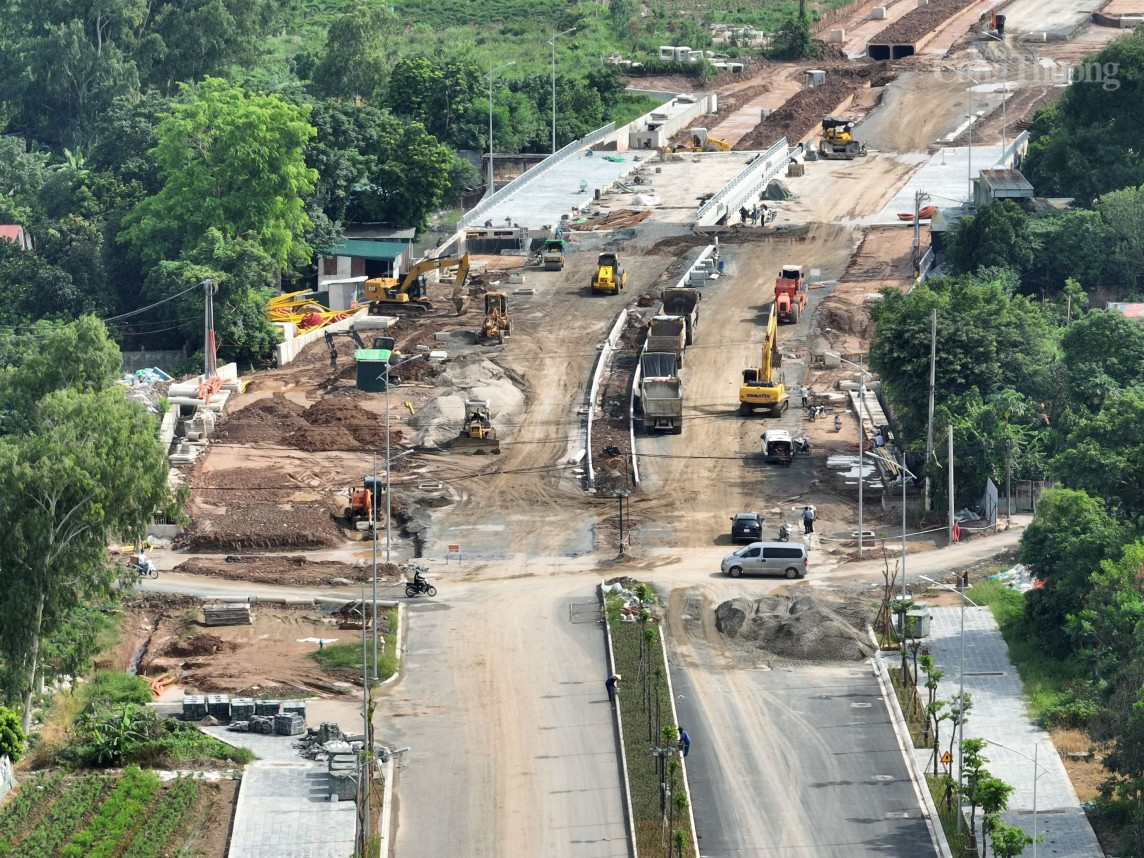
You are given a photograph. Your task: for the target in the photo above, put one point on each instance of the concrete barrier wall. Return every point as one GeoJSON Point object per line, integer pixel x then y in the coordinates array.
{"type": "Point", "coordinates": [744, 186]}
{"type": "Point", "coordinates": [285, 352]}
{"type": "Point", "coordinates": [7, 776]}
{"type": "Point", "coordinates": [602, 359]}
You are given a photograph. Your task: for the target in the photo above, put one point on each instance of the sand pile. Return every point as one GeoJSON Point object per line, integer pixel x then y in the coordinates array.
{"type": "Point", "coordinates": [800, 626]}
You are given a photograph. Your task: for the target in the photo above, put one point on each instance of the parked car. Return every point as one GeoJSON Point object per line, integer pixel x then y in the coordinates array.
{"type": "Point", "coordinates": [788, 559]}
{"type": "Point", "coordinates": [746, 527]}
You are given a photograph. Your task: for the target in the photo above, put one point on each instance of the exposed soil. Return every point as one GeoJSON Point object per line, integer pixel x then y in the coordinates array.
{"type": "Point", "coordinates": [920, 22]}
{"type": "Point", "coordinates": [268, 658]}
{"type": "Point", "coordinates": [803, 112]}
{"type": "Point", "coordinates": [796, 624]}
{"type": "Point", "coordinates": [207, 827]}
{"type": "Point", "coordinates": [262, 527]}
{"type": "Point", "coordinates": [286, 570]}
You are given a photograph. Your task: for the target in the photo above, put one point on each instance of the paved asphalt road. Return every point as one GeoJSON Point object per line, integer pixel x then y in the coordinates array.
{"type": "Point", "coordinates": [795, 763]}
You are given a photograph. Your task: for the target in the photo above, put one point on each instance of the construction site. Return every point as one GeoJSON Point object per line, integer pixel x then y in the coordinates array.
{"type": "Point", "coordinates": [585, 389]}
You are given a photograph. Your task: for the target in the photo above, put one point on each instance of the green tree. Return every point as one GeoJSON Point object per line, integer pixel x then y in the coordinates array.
{"type": "Point", "coordinates": [1068, 244]}
{"type": "Point", "coordinates": [988, 338]}
{"type": "Point", "coordinates": [795, 38]}
{"type": "Point", "coordinates": [1009, 841]}
{"type": "Point", "coordinates": [232, 162]}
{"type": "Point", "coordinates": [89, 467]}
{"type": "Point", "coordinates": [996, 237]}
{"type": "Point", "coordinates": [11, 735]}
{"type": "Point", "coordinates": [1103, 631]}
{"type": "Point", "coordinates": [1063, 547]}
{"type": "Point", "coordinates": [1102, 354]}
{"type": "Point", "coordinates": [354, 65]}
{"type": "Point", "coordinates": [1078, 147]}
{"type": "Point", "coordinates": [993, 797]}
{"type": "Point", "coordinates": [1105, 452]}
{"type": "Point", "coordinates": [1123, 215]}
{"type": "Point", "coordinates": [21, 177]}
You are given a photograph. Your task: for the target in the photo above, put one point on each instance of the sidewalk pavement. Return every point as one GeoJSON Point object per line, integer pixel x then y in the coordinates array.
{"type": "Point", "coordinates": [999, 715]}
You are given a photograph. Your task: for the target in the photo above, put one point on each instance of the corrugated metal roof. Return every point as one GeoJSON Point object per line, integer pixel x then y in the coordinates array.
{"type": "Point", "coordinates": [1006, 182]}
{"type": "Point", "coordinates": [361, 249]}
{"type": "Point", "coordinates": [1130, 310]}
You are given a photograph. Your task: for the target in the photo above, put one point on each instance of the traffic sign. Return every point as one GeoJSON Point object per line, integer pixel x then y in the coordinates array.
{"type": "Point", "coordinates": [946, 759]}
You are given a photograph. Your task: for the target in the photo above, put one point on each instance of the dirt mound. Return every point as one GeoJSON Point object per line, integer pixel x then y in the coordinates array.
{"type": "Point", "coordinates": [838, 314]}
{"type": "Point", "coordinates": [320, 439]}
{"type": "Point", "coordinates": [362, 428]}
{"type": "Point", "coordinates": [803, 112]}
{"type": "Point", "coordinates": [918, 23]}
{"type": "Point", "coordinates": [798, 626]}
{"type": "Point", "coordinates": [264, 421]}
{"type": "Point", "coordinates": [203, 644]}
{"type": "Point", "coordinates": [294, 570]}
{"type": "Point", "coordinates": [262, 527]}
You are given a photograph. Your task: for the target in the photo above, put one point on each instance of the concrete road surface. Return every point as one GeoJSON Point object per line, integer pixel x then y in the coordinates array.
{"type": "Point", "coordinates": [800, 763]}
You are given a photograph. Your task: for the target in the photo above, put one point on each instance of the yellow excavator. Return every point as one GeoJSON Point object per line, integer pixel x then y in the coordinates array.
{"type": "Point", "coordinates": [387, 295]}
{"type": "Point", "coordinates": [760, 388]}
{"type": "Point", "coordinates": [702, 142]}
{"type": "Point", "coordinates": [496, 325]}
{"type": "Point", "coordinates": [838, 143]}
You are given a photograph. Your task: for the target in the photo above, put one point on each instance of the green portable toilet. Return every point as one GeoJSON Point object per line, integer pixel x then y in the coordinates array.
{"type": "Point", "coordinates": [372, 369]}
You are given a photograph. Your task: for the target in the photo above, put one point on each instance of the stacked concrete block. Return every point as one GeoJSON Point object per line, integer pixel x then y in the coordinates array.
{"type": "Point", "coordinates": [241, 708]}
{"type": "Point", "coordinates": [289, 725]}
{"type": "Point", "coordinates": [267, 707]}
{"type": "Point", "coordinates": [218, 706]}
{"type": "Point", "coordinates": [194, 707]}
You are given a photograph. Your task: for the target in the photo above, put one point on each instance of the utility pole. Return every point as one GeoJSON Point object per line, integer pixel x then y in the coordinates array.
{"type": "Point", "coordinates": [932, 377]}
{"type": "Point", "coordinates": [365, 787]}
{"type": "Point", "coordinates": [1008, 482]}
{"type": "Point", "coordinates": [952, 520]}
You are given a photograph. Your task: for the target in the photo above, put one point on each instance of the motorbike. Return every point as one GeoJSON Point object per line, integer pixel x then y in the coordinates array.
{"type": "Point", "coordinates": [801, 446]}
{"type": "Point", "coordinates": [817, 411]}
{"type": "Point", "coordinates": [146, 569]}
{"type": "Point", "coordinates": [419, 585]}
{"type": "Point", "coordinates": [837, 423]}
{"type": "Point", "coordinates": [784, 532]}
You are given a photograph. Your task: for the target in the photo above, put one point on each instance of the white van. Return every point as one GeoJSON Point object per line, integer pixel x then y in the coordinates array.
{"type": "Point", "coordinates": [788, 559]}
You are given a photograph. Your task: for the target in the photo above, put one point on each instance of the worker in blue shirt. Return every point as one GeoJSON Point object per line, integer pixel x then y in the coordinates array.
{"type": "Point", "coordinates": [684, 741]}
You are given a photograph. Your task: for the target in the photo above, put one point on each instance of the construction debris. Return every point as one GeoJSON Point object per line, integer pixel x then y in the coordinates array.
{"type": "Point", "coordinates": [798, 625]}
{"type": "Point", "coordinates": [227, 614]}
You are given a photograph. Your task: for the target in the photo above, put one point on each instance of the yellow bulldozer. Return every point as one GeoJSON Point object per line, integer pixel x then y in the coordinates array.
{"type": "Point", "coordinates": [477, 433]}
{"type": "Point", "coordinates": [388, 295]}
{"type": "Point", "coordinates": [838, 143]}
{"type": "Point", "coordinates": [497, 325]}
{"type": "Point", "coordinates": [609, 278]}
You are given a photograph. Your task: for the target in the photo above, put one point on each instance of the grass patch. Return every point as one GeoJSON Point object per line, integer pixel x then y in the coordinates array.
{"type": "Point", "coordinates": [959, 844]}
{"type": "Point", "coordinates": [645, 706]}
{"type": "Point", "coordinates": [347, 657]}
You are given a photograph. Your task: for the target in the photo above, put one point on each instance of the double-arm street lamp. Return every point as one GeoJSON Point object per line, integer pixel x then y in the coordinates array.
{"type": "Point", "coordinates": [862, 375]}
{"type": "Point", "coordinates": [492, 71]}
{"type": "Point", "coordinates": [552, 43]}
{"type": "Point", "coordinates": [904, 471]}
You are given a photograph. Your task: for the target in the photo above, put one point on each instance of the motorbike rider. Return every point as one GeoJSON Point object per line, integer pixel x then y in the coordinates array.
{"type": "Point", "coordinates": [418, 581]}
{"type": "Point", "coordinates": [143, 561]}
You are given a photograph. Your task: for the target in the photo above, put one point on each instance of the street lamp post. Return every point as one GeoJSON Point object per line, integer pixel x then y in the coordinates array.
{"type": "Point", "coordinates": [621, 495]}
{"type": "Point", "coordinates": [388, 504]}
{"type": "Point", "coordinates": [961, 686]}
{"type": "Point", "coordinates": [552, 42]}
{"type": "Point", "coordinates": [1037, 769]}
{"type": "Point", "coordinates": [904, 471]}
{"type": "Point", "coordinates": [492, 181]}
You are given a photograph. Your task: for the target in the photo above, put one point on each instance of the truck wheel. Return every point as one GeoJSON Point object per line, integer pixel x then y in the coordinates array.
{"type": "Point", "coordinates": [500, 336]}
{"type": "Point", "coordinates": [794, 315]}
{"type": "Point", "coordinates": [677, 429]}
{"type": "Point", "coordinates": [681, 360]}
{"type": "Point", "coordinates": [348, 515]}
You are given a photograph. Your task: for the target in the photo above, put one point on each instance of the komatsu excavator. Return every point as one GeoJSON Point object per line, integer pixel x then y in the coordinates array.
{"type": "Point", "coordinates": [761, 388]}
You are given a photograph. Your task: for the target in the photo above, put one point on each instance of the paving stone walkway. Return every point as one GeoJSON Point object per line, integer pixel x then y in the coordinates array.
{"type": "Point", "coordinates": [1000, 717]}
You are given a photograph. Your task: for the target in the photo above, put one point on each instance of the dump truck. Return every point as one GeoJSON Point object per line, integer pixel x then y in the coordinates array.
{"type": "Point", "coordinates": [477, 433]}
{"type": "Point", "coordinates": [609, 278]}
{"type": "Point", "coordinates": [667, 334]}
{"type": "Point", "coordinates": [790, 294]}
{"type": "Point", "coordinates": [661, 393]}
{"type": "Point", "coordinates": [553, 254]}
{"type": "Point", "coordinates": [778, 448]}
{"type": "Point", "coordinates": [683, 302]}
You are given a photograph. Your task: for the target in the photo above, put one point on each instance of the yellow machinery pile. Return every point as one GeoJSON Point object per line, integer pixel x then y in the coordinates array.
{"type": "Point", "coordinates": [496, 325]}
{"type": "Point", "coordinates": [760, 388]}
{"type": "Point", "coordinates": [702, 142]}
{"type": "Point", "coordinates": [609, 278]}
{"type": "Point", "coordinates": [302, 311]}
{"type": "Point", "coordinates": [477, 434]}
{"type": "Point", "coordinates": [838, 143]}
{"type": "Point", "coordinates": [388, 295]}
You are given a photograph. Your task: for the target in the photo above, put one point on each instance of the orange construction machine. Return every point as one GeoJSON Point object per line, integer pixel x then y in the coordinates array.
{"type": "Point", "coordinates": [360, 513]}
{"type": "Point", "coordinates": [790, 294]}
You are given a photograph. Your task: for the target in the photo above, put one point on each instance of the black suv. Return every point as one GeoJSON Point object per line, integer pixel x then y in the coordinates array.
{"type": "Point", "coordinates": [746, 527]}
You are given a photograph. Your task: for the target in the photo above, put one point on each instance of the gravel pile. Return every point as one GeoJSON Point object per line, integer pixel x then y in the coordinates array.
{"type": "Point", "coordinates": [470, 376]}
{"type": "Point", "coordinates": [801, 626]}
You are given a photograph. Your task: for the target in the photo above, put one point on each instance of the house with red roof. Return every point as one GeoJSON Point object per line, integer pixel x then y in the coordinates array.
{"type": "Point", "coordinates": [16, 233]}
